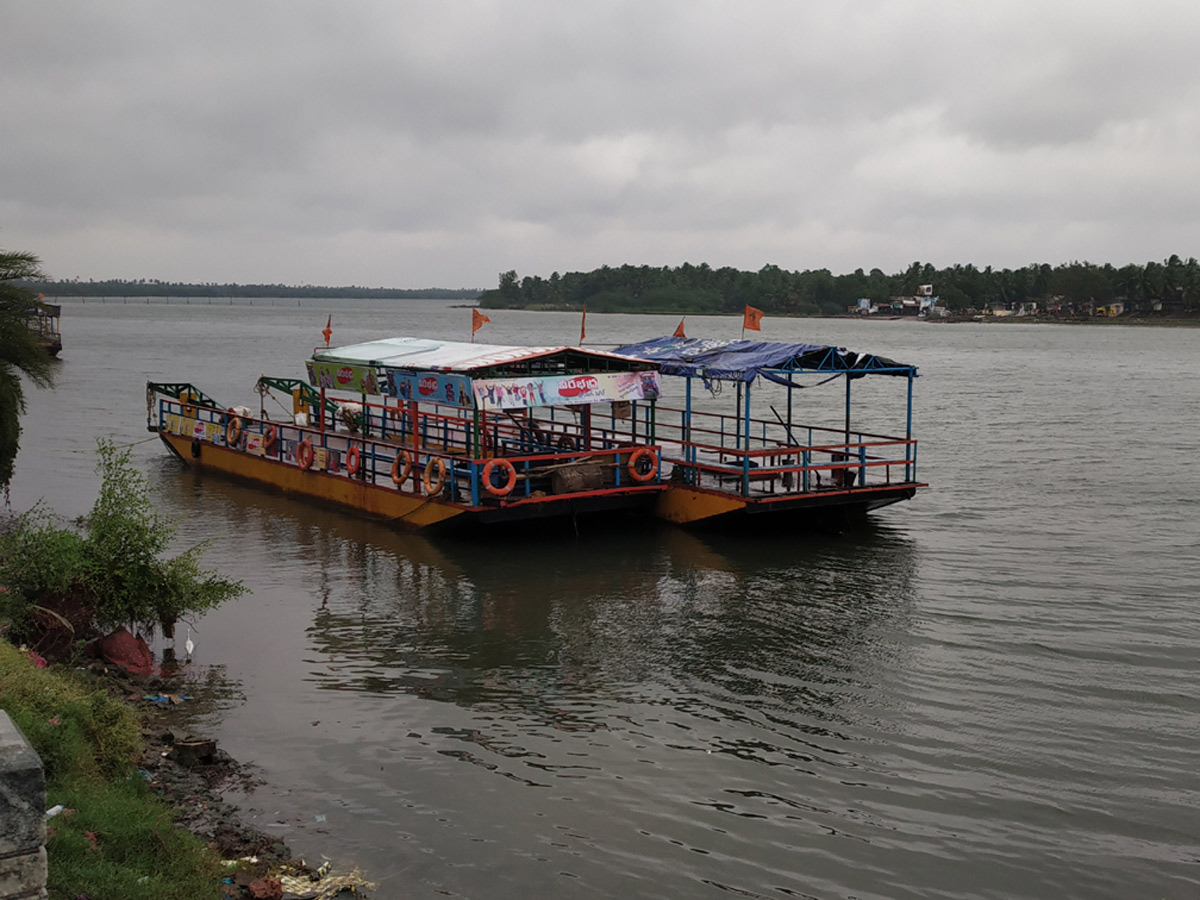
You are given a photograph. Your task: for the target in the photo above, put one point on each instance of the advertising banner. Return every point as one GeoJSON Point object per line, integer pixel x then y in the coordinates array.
{"type": "Point", "coordinates": [337, 377]}
{"type": "Point", "coordinates": [430, 387]}
{"type": "Point", "coordinates": [559, 390]}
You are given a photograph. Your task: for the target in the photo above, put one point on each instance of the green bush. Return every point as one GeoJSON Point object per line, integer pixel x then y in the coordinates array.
{"type": "Point", "coordinates": [37, 559]}
{"type": "Point", "coordinates": [114, 573]}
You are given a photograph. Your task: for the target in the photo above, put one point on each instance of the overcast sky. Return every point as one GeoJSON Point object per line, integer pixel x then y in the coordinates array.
{"type": "Point", "coordinates": [419, 144]}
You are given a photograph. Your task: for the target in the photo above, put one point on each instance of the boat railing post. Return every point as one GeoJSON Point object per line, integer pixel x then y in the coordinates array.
{"type": "Point", "coordinates": [862, 463]}
{"type": "Point", "coordinates": [805, 456]}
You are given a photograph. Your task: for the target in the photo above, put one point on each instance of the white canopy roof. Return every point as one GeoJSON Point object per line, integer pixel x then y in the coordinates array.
{"type": "Point", "coordinates": [427, 355]}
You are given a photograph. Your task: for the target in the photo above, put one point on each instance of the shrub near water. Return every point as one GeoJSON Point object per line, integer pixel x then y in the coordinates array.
{"type": "Point", "coordinates": [114, 840]}
{"type": "Point", "coordinates": [113, 573]}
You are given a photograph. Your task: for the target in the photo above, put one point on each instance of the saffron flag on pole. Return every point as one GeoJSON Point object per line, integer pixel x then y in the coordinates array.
{"type": "Point", "coordinates": [752, 318]}
{"type": "Point", "coordinates": [328, 330]}
{"type": "Point", "coordinates": [583, 325]}
{"type": "Point", "coordinates": [679, 330]}
{"type": "Point", "coordinates": [477, 320]}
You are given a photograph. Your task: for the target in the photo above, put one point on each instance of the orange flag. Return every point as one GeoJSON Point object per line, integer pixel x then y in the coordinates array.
{"type": "Point", "coordinates": [751, 319]}
{"type": "Point", "coordinates": [477, 320]}
{"type": "Point", "coordinates": [328, 330]}
{"type": "Point", "coordinates": [679, 331]}
{"type": "Point", "coordinates": [583, 325]}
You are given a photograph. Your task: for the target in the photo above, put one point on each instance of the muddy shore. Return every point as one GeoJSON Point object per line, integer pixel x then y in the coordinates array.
{"type": "Point", "coordinates": [192, 773]}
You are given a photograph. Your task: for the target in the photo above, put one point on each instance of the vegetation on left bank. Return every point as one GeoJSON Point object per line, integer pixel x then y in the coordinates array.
{"type": "Point", "coordinates": [112, 839]}
{"type": "Point", "coordinates": [65, 585]}
{"type": "Point", "coordinates": [60, 587]}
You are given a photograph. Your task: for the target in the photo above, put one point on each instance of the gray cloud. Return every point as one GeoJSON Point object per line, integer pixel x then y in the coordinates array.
{"type": "Point", "coordinates": [435, 143]}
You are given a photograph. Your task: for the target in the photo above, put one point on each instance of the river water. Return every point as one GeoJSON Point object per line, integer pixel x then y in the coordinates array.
{"type": "Point", "coordinates": [991, 691]}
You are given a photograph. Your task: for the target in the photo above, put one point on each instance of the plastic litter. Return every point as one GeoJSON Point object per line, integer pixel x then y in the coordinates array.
{"type": "Point", "coordinates": [324, 887]}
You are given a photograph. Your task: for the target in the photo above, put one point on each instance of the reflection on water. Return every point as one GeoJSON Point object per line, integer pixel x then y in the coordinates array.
{"type": "Point", "coordinates": [712, 673]}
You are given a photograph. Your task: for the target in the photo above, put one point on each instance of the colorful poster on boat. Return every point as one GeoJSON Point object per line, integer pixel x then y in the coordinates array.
{"type": "Point", "coordinates": [188, 427]}
{"type": "Point", "coordinates": [560, 390]}
{"type": "Point", "coordinates": [338, 377]}
{"type": "Point", "coordinates": [430, 387]}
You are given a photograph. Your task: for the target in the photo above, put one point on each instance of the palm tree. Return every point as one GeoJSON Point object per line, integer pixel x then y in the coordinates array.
{"type": "Point", "coordinates": [20, 352]}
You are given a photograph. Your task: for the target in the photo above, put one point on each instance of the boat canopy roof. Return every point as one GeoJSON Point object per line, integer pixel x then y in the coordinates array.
{"type": "Point", "coordinates": [715, 360]}
{"type": "Point", "coordinates": [477, 360]}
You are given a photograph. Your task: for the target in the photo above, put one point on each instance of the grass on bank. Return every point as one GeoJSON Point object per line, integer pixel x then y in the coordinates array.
{"type": "Point", "coordinates": [119, 843]}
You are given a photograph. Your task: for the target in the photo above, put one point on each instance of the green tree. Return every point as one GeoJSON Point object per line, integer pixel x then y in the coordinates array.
{"type": "Point", "coordinates": [20, 352]}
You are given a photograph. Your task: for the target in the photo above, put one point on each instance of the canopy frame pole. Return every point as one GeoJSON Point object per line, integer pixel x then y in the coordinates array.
{"type": "Point", "coordinates": [737, 437]}
{"type": "Point", "coordinates": [689, 452]}
{"type": "Point", "coordinates": [791, 389]}
{"type": "Point", "coordinates": [848, 382]}
{"type": "Point", "coordinates": [746, 449]}
{"type": "Point", "coordinates": [910, 461]}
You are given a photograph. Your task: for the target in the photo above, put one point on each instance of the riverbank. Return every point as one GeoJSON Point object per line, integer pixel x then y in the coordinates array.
{"type": "Point", "coordinates": [119, 774]}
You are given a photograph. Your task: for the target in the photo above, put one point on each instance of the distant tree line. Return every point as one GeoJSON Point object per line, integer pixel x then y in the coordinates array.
{"type": "Point", "coordinates": [150, 287]}
{"type": "Point", "coordinates": [1173, 285]}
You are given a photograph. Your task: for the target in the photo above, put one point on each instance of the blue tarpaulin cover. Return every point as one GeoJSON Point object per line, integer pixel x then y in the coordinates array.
{"type": "Point", "coordinates": [746, 360]}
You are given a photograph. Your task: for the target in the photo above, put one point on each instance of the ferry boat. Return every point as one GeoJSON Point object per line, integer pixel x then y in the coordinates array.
{"type": "Point", "coordinates": [437, 434]}
{"type": "Point", "coordinates": [736, 468]}
{"type": "Point", "coordinates": [445, 434]}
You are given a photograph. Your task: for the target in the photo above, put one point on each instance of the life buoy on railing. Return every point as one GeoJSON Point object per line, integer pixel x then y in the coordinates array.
{"type": "Point", "coordinates": [399, 472]}
{"type": "Point", "coordinates": [233, 432]}
{"type": "Point", "coordinates": [353, 458]}
{"type": "Point", "coordinates": [271, 440]}
{"type": "Point", "coordinates": [502, 490]}
{"type": "Point", "coordinates": [305, 455]}
{"type": "Point", "coordinates": [435, 466]}
{"type": "Point", "coordinates": [635, 468]}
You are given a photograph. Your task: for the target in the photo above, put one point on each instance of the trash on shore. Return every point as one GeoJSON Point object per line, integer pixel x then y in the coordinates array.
{"type": "Point", "coordinates": [321, 885]}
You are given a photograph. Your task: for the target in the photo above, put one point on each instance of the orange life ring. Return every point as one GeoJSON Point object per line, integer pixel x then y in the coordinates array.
{"type": "Point", "coordinates": [398, 474]}
{"type": "Point", "coordinates": [272, 439]}
{"type": "Point", "coordinates": [505, 489]}
{"type": "Point", "coordinates": [305, 455]}
{"type": "Point", "coordinates": [435, 464]}
{"type": "Point", "coordinates": [233, 432]}
{"type": "Point", "coordinates": [353, 458]}
{"type": "Point", "coordinates": [636, 457]}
